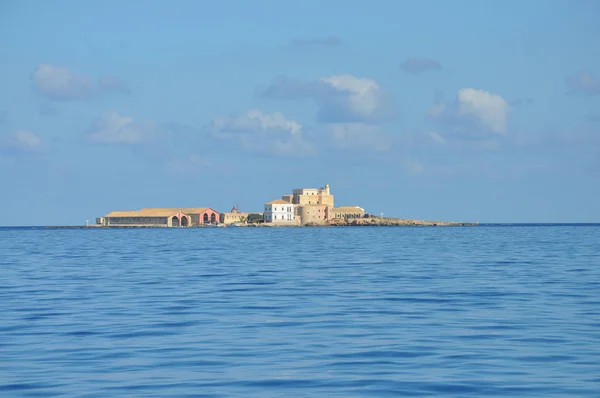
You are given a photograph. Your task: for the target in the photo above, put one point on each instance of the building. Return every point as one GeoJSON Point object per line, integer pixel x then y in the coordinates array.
{"type": "Point", "coordinates": [311, 196]}
{"type": "Point", "coordinates": [314, 213]}
{"type": "Point", "coordinates": [316, 206]}
{"type": "Point", "coordinates": [160, 217]}
{"type": "Point", "coordinates": [234, 216]}
{"type": "Point", "coordinates": [312, 206]}
{"type": "Point", "coordinates": [279, 212]}
{"type": "Point", "coordinates": [348, 212]}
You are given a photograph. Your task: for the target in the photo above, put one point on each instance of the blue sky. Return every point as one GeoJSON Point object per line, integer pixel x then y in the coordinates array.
{"type": "Point", "coordinates": [462, 110]}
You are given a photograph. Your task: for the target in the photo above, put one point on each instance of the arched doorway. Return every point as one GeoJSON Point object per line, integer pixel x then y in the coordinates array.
{"type": "Point", "coordinates": [213, 217]}
{"type": "Point", "coordinates": [184, 221]}
{"type": "Point", "coordinates": [174, 221]}
{"type": "Point", "coordinates": [205, 218]}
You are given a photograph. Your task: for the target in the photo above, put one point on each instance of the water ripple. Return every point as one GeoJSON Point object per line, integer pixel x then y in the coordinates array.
{"type": "Point", "coordinates": [315, 312]}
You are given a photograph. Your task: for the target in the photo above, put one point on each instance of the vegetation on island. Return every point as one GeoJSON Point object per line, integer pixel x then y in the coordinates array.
{"type": "Point", "coordinates": [254, 218]}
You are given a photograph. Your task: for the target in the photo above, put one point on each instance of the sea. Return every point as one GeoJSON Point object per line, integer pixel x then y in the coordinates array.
{"type": "Point", "coordinates": [485, 311]}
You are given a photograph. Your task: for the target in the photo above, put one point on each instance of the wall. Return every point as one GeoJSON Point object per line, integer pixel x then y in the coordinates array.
{"type": "Point", "coordinates": [326, 200]}
{"type": "Point", "coordinates": [311, 197]}
{"type": "Point", "coordinates": [198, 218]}
{"type": "Point", "coordinates": [231, 218]}
{"type": "Point", "coordinates": [317, 214]}
{"type": "Point", "coordinates": [279, 212]}
{"type": "Point", "coordinates": [137, 221]}
{"type": "Point", "coordinates": [349, 212]}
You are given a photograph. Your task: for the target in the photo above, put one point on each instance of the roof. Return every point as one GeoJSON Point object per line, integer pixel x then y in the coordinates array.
{"type": "Point", "coordinates": [348, 208]}
{"type": "Point", "coordinates": [278, 202]}
{"type": "Point", "coordinates": [142, 213]}
{"type": "Point", "coordinates": [191, 210]}
{"type": "Point", "coordinates": [157, 212]}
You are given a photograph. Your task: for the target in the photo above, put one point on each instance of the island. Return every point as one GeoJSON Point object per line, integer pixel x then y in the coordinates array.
{"type": "Point", "coordinates": [305, 207]}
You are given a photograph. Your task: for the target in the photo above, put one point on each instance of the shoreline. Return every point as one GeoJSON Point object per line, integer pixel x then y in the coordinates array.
{"type": "Point", "coordinates": [349, 223]}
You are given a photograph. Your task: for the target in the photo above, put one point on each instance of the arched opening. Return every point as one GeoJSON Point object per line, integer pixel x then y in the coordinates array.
{"type": "Point", "coordinates": [174, 221]}
{"type": "Point", "coordinates": [205, 218]}
{"type": "Point", "coordinates": [184, 221]}
{"type": "Point", "coordinates": [213, 217]}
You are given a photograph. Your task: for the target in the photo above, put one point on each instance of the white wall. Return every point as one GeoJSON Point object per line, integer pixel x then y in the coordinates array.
{"type": "Point", "coordinates": [279, 212]}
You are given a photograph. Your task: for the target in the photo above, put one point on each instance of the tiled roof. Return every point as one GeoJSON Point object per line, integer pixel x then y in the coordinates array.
{"type": "Point", "coordinates": [158, 212]}
{"type": "Point", "coordinates": [143, 213]}
{"type": "Point", "coordinates": [348, 208]}
{"type": "Point", "coordinates": [278, 202]}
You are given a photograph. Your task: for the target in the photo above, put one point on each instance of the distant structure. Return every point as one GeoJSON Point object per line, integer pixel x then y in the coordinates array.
{"type": "Point", "coordinates": [308, 206]}
{"type": "Point", "coordinates": [348, 212]}
{"type": "Point", "coordinates": [234, 217]}
{"type": "Point", "coordinates": [279, 212]}
{"type": "Point", "coordinates": [303, 206]}
{"type": "Point", "coordinates": [160, 217]}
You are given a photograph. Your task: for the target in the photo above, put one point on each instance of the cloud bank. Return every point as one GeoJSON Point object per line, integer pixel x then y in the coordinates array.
{"type": "Point", "coordinates": [477, 112]}
{"type": "Point", "coordinates": [340, 98]}
{"type": "Point", "coordinates": [60, 83]}
{"type": "Point", "coordinates": [21, 141]}
{"type": "Point", "coordinates": [583, 84]}
{"type": "Point", "coordinates": [113, 128]}
{"type": "Point", "coordinates": [268, 133]}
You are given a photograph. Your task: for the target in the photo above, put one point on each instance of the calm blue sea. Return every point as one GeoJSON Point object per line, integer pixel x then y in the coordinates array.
{"type": "Point", "coordinates": [301, 312]}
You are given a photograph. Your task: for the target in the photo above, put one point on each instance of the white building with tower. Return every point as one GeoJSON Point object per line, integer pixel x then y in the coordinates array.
{"type": "Point", "coordinates": [309, 206]}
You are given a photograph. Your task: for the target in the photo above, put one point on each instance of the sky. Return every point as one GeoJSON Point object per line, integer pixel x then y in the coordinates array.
{"type": "Point", "coordinates": [456, 111]}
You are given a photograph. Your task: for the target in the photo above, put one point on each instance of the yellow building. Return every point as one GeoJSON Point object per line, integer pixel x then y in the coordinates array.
{"type": "Point", "coordinates": [234, 217]}
{"type": "Point", "coordinates": [348, 212]}
{"type": "Point", "coordinates": [316, 206]}
{"type": "Point", "coordinates": [314, 213]}
{"type": "Point", "coordinates": [311, 196]}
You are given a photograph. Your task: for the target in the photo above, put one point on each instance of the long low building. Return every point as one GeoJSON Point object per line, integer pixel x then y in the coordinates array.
{"type": "Point", "coordinates": [348, 212]}
{"type": "Point", "coordinates": [160, 217]}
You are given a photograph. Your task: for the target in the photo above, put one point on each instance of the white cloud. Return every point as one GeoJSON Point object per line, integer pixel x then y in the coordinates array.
{"type": "Point", "coordinates": [112, 128]}
{"type": "Point", "coordinates": [22, 140]}
{"type": "Point", "coordinates": [363, 95]}
{"type": "Point", "coordinates": [60, 83]}
{"type": "Point", "coordinates": [582, 83]}
{"type": "Point", "coordinates": [413, 166]}
{"type": "Point", "coordinates": [491, 109]}
{"type": "Point", "coordinates": [27, 139]}
{"type": "Point", "coordinates": [263, 132]}
{"type": "Point", "coordinates": [340, 98]}
{"type": "Point", "coordinates": [473, 110]}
